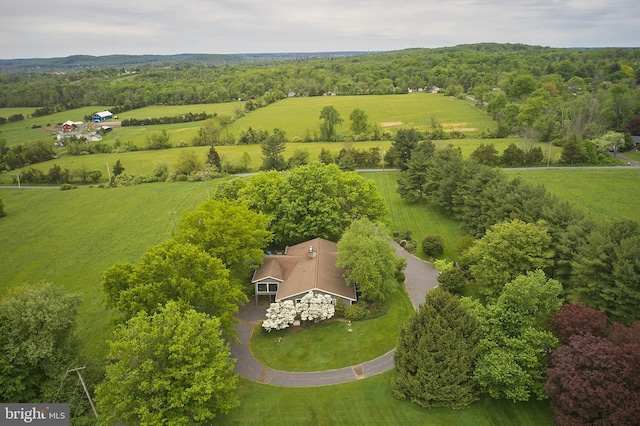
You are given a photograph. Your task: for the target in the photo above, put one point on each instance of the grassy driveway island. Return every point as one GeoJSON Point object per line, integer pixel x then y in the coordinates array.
{"type": "Point", "coordinates": [329, 345]}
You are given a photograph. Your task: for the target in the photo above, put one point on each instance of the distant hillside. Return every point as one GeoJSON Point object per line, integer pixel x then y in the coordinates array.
{"type": "Point", "coordinates": [86, 62]}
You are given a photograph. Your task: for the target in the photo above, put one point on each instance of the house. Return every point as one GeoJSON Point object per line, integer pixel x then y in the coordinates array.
{"type": "Point", "coordinates": [101, 116]}
{"type": "Point", "coordinates": [69, 125]}
{"type": "Point", "coordinates": [304, 267]}
{"type": "Point", "coordinates": [636, 141]}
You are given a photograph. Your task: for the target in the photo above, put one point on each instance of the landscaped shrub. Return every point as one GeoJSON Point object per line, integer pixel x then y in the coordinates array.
{"type": "Point", "coordinates": [315, 307]}
{"type": "Point", "coordinates": [355, 312]}
{"type": "Point", "coordinates": [280, 315]}
{"type": "Point", "coordinates": [433, 245]}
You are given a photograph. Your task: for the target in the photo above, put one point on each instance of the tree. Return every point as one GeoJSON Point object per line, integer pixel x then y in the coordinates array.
{"type": "Point", "coordinates": [368, 259]}
{"type": "Point", "coordinates": [117, 168]}
{"type": "Point", "coordinates": [3, 213]}
{"type": "Point", "coordinates": [486, 154]}
{"type": "Point", "coordinates": [272, 149]}
{"type": "Point", "coordinates": [513, 156]}
{"type": "Point", "coordinates": [403, 145]}
{"type": "Point", "coordinates": [605, 270]}
{"type": "Point", "coordinates": [213, 159]}
{"type": "Point", "coordinates": [188, 162]}
{"type": "Point", "coordinates": [508, 249]}
{"type": "Point", "coordinates": [578, 319]}
{"type": "Point", "coordinates": [452, 280]}
{"type": "Point", "coordinates": [359, 122]}
{"type": "Point", "coordinates": [594, 381]}
{"type": "Point", "coordinates": [330, 119]}
{"type": "Point", "coordinates": [515, 347]}
{"type": "Point", "coordinates": [326, 157]}
{"type": "Point", "coordinates": [171, 367]}
{"type": "Point", "coordinates": [158, 140]}
{"type": "Point", "coordinates": [573, 151]}
{"type": "Point", "coordinates": [413, 182]}
{"type": "Point", "coordinates": [37, 342]}
{"type": "Point", "coordinates": [435, 353]}
{"type": "Point", "coordinates": [229, 231]}
{"type": "Point", "coordinates": [300, 157]}
{"type": "Point", "coordinates": [179, 272]}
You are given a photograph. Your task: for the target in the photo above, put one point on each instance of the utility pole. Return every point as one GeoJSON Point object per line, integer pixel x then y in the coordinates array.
{"type": "Point", "coordinates": [109, 173]}
{"type": "Point", "coordinates": [18, 180]}
{"type": "Point", "coordinates": [77, 370]}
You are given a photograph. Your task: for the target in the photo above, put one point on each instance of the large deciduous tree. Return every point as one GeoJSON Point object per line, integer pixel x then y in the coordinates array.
{"type": "Point", "coordinates": [596, 379]}
{"type": "Point", "coordinates": [172, 367]}
{"type": "Point", "coordinates": [330, 119]}
{"type": "Point", "coordinates": [368, 259]}
{"type": "Point", "coordinates": [229, 231]}
{"type": "Point", "coordinates": [515, 347]}
{"type": "Point", "coordinates": [37, 343]}
{"type": "Point", "coordinates": [507, 250]}
{"type": "Point", "coordinates": [310, 201]}
{"type": "Point", "coordinates": [174, 271]}
{"type": "Point", "coordinates": [403, 145]}
{"type": "Point", "coordinates": [359, 122]}
{"type": "Point", "coordinates": [435, 354]}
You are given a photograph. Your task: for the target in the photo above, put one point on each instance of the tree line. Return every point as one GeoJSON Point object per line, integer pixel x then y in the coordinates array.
{"type": "Point", "coordinates": [528, 253]}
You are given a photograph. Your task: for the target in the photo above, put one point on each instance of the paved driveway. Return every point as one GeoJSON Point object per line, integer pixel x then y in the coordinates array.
{"type": "Point", "coordinates": [420, 277]}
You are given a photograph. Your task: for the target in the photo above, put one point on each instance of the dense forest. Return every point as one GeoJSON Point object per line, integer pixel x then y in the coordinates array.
{"type": "Point", "coordinates": [546, 93]}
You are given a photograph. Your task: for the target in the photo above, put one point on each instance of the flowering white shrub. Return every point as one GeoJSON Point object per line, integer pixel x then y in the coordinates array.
{"type": "Point", "coordinates": [280, 315]}
{"type": "Point", "coordinates": [315, 307]}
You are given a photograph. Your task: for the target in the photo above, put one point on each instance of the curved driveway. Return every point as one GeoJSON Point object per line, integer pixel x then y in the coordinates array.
{"type": "Point", "coordinates": [420, 277]}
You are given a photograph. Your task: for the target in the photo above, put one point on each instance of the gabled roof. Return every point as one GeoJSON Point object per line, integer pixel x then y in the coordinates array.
{"type": "Point", "coordinates": [306, 266]}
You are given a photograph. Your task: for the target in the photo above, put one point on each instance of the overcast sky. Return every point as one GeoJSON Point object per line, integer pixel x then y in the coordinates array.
{"type": "Point", "coordinates": [44, 28]}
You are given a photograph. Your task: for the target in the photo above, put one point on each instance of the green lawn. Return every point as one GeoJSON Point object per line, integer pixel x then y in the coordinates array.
{"type": "Point", "coordinates": [70, 237]}
{"type": "Point", "coordinates": [369, 402]}
{"type": "Point", "coordinates": [603, 193]}
{"type": "Point", "coordinates": [421, 218]}
{"type": "Point", "coordinates": [330, 345]}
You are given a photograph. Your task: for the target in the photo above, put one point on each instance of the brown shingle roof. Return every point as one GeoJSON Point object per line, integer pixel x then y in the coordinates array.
{"type": "Point", "coordinates": [298, 272]}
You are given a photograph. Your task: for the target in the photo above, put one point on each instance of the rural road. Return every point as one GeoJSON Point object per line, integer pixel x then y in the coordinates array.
{"type": "Point", "coordinates": [420, 277]}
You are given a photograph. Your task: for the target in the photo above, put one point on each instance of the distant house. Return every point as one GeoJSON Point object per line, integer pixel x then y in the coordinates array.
{"type": "Point", "coordinates": [304, 267]}
{"type": "Point", "coordinates": [69, 125]}
{"type": "Point", "coordinates": [101, 116]}
{"type": "Point", "coordinates": [636, 141]}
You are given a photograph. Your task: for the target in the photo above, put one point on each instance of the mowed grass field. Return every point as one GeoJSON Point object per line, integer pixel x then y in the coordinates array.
{"type": "Point", "coordinates": [605, 193]}
{"type": "Point", "coordinates": [300, 117]}
{"type": "Point", "coordinates": [70, 237]}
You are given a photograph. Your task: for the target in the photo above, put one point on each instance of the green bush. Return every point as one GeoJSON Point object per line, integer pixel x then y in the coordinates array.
{"type": "Point", "coordinates": [452, 280]}
{"type": "Point", "coordinates": [433, 245]}
{"type": "Point", "coordinates": [356, 312]}
{"type": "Point", "coordinates": [66, 187]}
{"type": "Point", "coordinates": [2, 212]}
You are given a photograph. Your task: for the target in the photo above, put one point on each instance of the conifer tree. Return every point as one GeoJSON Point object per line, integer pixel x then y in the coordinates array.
{"type": "Point", "coordinates": [435, 353]}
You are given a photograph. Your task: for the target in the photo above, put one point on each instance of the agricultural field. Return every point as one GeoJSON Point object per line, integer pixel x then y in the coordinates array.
{"type": "Point", "coordinates": [299, 117]}
{"type": "Point", "coordinates": [605, 193]}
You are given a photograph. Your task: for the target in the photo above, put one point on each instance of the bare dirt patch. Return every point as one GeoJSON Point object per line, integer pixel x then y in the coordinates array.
{"type": "Point", "coordinates": [460, 127]}
{"type": "Point", "coordinates": [390, 123]}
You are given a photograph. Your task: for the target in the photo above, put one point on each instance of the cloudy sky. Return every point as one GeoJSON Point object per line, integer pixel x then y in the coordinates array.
{"type": "Point", "coordinates": [41, 28]}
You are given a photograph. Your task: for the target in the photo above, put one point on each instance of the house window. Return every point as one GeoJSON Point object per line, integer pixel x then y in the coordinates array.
{"type": "Point", "coordinates": [273, 287]}
{"type": "Point", "coordinates": [262, 288]}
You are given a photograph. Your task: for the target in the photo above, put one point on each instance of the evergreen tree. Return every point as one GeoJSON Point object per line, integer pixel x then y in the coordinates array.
{"type": "Point", "coordinates": [117, 168]}
{"type": "Point", "coordinates": [412, 183]}
{"type": "Point", "coordinates": [213, 159]}
{"type": "Point", "coordinates": [272, 149]}
{"type": "Point", "coordinates": [435, 353]}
